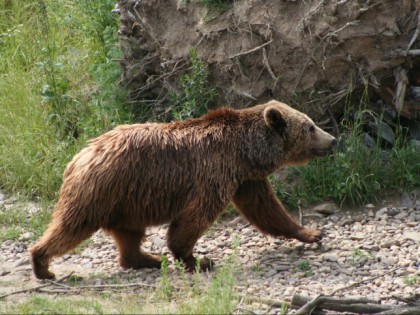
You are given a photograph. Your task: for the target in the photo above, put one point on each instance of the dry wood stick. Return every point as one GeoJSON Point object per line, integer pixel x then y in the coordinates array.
{"type": "Point", "coordinates": [36, 287]}
{"type": "Point", "coordinates": [252, 50]}
{"type": "Point", "coordinates": [310, 306]}
{"type": "Point", "coordinates": [352, 305]}
{"type": "Point", "coordinates": [415, 35]}
{"type": "Point", "coordinates": [267, 65]}
{"type": "Point", "coordinates": [271, 302]}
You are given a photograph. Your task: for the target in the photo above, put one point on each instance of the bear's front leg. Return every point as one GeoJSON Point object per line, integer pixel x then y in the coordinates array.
{"type": "Point", "coordinates": [256, 200]}
{"type": "Point", "coordinates": [183, 234]}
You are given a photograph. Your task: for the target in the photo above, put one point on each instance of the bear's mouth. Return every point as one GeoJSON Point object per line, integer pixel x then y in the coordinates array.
{"type": "Point", "coordinates": [320, 152]}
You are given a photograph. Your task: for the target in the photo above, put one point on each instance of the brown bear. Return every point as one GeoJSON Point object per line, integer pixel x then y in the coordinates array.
{"type": "Point", "coordinates": [183, 173]}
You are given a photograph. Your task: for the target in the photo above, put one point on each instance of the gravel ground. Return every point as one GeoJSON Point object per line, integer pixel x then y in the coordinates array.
{"type": "Point", "coordinates": [379, 244]}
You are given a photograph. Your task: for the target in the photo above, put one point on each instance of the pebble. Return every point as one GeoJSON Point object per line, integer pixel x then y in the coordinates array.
{"type": "Point", "coordinates": [330, 257]}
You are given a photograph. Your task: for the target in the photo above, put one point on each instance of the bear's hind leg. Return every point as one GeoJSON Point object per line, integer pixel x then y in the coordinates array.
{"type": "Point", "coordinates": [182, 236]}
{"type": "Point", "coordinates": [57, 240]}
{"type": "Point", "coordinates": [128, 244]}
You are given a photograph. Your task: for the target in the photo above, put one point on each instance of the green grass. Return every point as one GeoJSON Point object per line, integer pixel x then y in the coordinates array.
{"type": "Point", "coordinates": [412, 280]}
{"type": "Point", "coordinates": [45, 305]}
{"type": "Point", "coordinates": [354, 175]}
{"type": "Point", "coordinates": [59, 87]}
{"type": "Point", "coordinates": [195, 95]}
{"type": "Point", "coordinates": [177, 292]}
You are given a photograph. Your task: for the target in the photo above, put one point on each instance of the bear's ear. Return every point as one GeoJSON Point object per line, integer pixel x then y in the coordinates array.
{"type": "Point", "coordinates": [274, 119]}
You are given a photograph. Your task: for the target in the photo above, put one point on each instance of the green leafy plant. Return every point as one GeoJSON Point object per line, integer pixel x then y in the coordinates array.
{"type": "Point", "coordinates": [59, 87]}
{"type": "Point", "coordinates": [196, 95]}
{"type": "Point", "coordinates": [412, 280]}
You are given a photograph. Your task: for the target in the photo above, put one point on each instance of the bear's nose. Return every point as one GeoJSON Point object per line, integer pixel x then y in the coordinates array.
{"type": "Point", "coordinates": [334, 142]}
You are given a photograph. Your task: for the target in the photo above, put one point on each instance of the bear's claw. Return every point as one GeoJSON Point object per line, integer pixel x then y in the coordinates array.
{"type": "Point", "coordinates": [309, 235]}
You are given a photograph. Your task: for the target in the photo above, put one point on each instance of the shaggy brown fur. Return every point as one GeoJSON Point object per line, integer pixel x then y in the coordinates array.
{"type": "Point", "coordinates": [182, 173]}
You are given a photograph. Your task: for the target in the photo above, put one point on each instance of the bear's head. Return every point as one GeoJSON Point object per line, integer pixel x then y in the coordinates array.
{"type": "Point", "coordinates": [302, 139]}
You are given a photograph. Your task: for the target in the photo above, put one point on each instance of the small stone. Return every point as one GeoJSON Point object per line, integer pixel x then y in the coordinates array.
{"type": "Point", "coordinates": [415, 236]}
{"type": "Point", "coordinates": [393, 212]}
{"type": "Point", "coordinates": [271, 273]}
{"type": "Point", "coordinates": [389, 243]}
{"type": "Point", "coordinates": [228, 251]}
{"type": "Point", "coordinates": [88, 265]}
{"type": "Point", "coordinates": [406, 200]}
{"type": "Point", "coordinates": [329, 257]}
{"type": "Point", "coordinates": [25, 236]}
{"type": "Point", "coordinates": [158, 241]}
{"type": "Point", "coordinates": [326, 208]}
{"type": "Point", "coordinates": [382, 212]}
{"type": "Point", "coordinates": [401, 215]}
{"type": "Point", "coordinates": [348, 221]}
{"type": "Point", "coordinates": [282, 267]}
{"type": "Point", "coordinates": [357, 236]}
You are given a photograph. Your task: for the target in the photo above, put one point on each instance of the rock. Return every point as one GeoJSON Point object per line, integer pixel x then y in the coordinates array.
{"type": "Point", "coordinates": [368, 141]}
{"type": "Point", "coordinates": [347, 221]}
{"type": "Point", "coordinates": [326, 208]}
{"type": "Point", "coordinates": [271, 273]}
{"type": "Point", "coordinates": [383, 131]}
{"type": "Point", "coordinates": [370, 206]}
{"type": "Point", "coordinates": [358, 236]}
{"type": "Point", "coordinates": [393, 212]}
{"type": "Point", "coordinates": [329, 257]}
{"type": "Point", "coordinates": [158, 241]}
{"type": "Point", "coordinates": [282, 267]}
{"type": "Point", "coordinates": [401, 215]}
{"type": "Point", "coordinates": [406, 200]}
{"type": "Point", "coordinates": [25, 236]}
{"type": "Point", "coordinates": [382, 212]}
{"type": "Point", "coordinates": [415, 236]}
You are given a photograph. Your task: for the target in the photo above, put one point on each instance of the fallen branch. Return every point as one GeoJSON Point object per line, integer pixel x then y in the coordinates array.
{"type": "Point", "coordinates": [113, 286]}
{"type": "Point", "coordinates": [36, 288]}
{"type": "Point", "coordinates": [401, 82]}
{"type": "Point", "coordinates": [252, 50]}
{"type": "Point", "coordinates": [353, 305]}
{"type": "Point", "coordinates": [309, 306]}
{"type": "Point", "coordinates": [267, 65]}
{"type": "Point", "coordinates": [270, 302]}
{"type": "Point", "coordinates": [415, 35]}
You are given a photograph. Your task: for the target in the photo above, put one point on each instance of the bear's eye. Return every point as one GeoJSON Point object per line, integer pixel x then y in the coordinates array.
{"type": "Point", "coordinates": [312, 128]}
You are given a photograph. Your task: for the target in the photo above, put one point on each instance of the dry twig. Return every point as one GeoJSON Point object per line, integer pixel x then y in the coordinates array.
{"type": "Point", "coordinates": [36, 288]}
{"type": "Point", "coordinates": [251, 50]}
{"type": "Point", "coordinates": [415, 35]}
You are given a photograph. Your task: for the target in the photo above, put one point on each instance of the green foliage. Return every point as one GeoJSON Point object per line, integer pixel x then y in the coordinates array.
{"type": "Point", "coordinates": [412, 280]}
{"type": "Point", "coordinates": [304, 266]}
{"type": "Point", "coordinates": [59, 87]}
{"type": "Point", "coordinates": [359, 257]}
{"type": "Point", "coordinates": [218, 6]}
{"type": "Point", "coordinates": [44, 305]}
{"type": "Point", "coordinates": [165, 287]}
{"type": "Point", "coordinates": [355, 174]}
{"type": "Point", "coordinates": [195, 96]}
